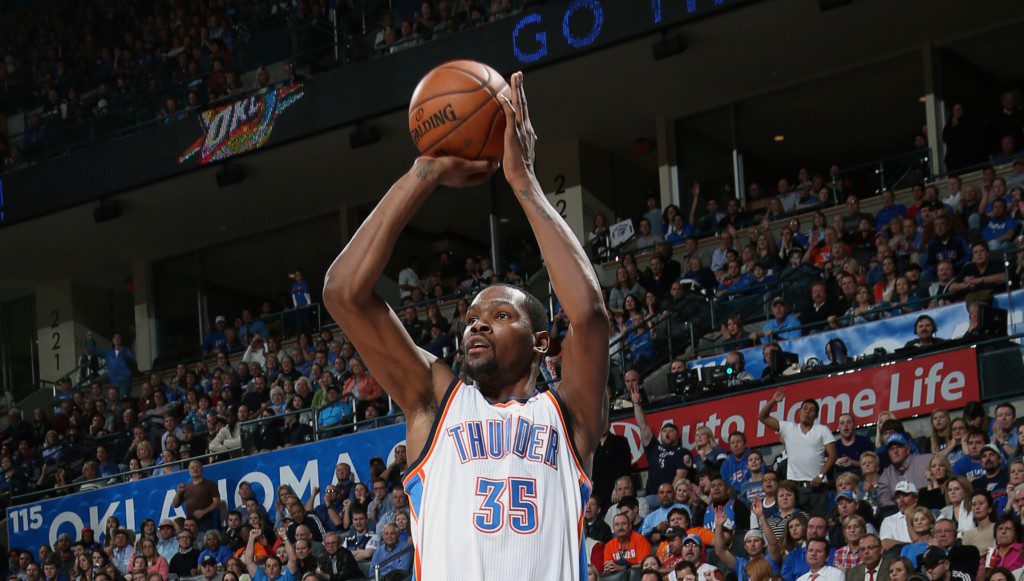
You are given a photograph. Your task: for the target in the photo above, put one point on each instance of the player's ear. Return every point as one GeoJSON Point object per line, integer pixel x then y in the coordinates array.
{"type": "Point", "coordinates": [541, 342]}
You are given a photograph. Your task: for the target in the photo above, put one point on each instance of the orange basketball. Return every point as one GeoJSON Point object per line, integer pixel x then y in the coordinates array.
{"type": "Point", "coordinates": [455, 111]}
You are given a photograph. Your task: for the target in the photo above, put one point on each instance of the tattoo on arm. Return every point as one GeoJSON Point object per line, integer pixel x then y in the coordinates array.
{"type": "Point", "coordinates": [537, 202]}
{"type": "Point", "coordinates": [426, 172]}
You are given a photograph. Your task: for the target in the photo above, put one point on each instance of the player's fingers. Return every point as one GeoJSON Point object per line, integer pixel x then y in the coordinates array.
{"type": "Point", "coordinates": [523, 106]}
{"type": "Point", "coordinates": [517, 104]}
{"type": "Point", "coordinates": [510, 113]}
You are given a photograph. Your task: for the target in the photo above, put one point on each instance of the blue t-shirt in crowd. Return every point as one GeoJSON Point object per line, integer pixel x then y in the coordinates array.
{"type": "Point", "coordinates": [735, 472]}
{"type": "Point", "coordinates": [790, 322]}
{"type": "Point", "coordinates": [970, 468]}
{"type": "Point", "coordinates": [996, 227]}
{"type": "Point", "coordinates": [860, 445]}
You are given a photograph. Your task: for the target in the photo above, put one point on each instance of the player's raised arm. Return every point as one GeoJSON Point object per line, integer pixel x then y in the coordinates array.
{"type": "Point", "coordinates": [404, 371]}
{"type": "Point", "coordinates": [585, 358]}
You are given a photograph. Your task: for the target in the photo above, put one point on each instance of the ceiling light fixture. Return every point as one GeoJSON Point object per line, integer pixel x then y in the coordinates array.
{"type": "Point", "coordinates": [779, 138]}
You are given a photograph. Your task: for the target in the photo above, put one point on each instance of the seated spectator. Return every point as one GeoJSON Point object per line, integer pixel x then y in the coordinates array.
{"type": "Point", "coordinates": [735, 361]}
{"type": "Point", "coordinates": [980, 278]}
{"type": "Point", "coordinates": [1007, 550]}
{"type": "Point", "coordinates": [945, 245]}
{"type": "Point", "coordinates": [924, 328]}
{"type": "Point", "coordinates": [999, 229]}
{"type": "Point", "coordinates": [780, 327]}
{"type": "Point", "coordinates": [905, 466]}
{"type": "Point", "coordinates": [389, 547]}
{"type": "Point", "coordinates": [982, 536]}
{"type": "Point", "coordinates": [337, 410]}
{"type": "Point", "coordinates": [920, 526]}
{"type": "Point", "coordinates": [626, 549]}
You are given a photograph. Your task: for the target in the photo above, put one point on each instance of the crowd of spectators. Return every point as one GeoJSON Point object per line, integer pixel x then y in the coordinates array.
{"type": "Point", "coordinates": [79, 70]}
{"type": "Point", "coordinates": [961, 243]}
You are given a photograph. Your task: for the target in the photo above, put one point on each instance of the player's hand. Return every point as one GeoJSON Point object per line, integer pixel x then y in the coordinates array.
{"type": "Point", "coordinates": [454, 172]}
{"type": "Point", "coordinates": [520, 138]}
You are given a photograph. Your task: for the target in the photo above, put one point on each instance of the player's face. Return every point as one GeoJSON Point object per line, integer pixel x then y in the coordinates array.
{"type": "Point", "coordinates": [498, 341]}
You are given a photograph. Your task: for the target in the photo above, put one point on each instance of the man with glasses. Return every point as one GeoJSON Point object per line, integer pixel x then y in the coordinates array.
{"type": "Point", "coordinates": [381, 501]}
{"type": "Point", "coordinates": [185, 563]}
{"type": "Point", "coordinates": [337, 562]}
{"type": "Point", "coordinates": [392, 547]}
{"type": "Point", "coordinates": [963, 559]}
{"type": "Point", "coordinates": [331, 510]}
{"type": "Point", "coordinates": [872, 567]}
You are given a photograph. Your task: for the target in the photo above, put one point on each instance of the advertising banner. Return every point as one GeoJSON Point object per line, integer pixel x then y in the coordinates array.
{"type": "Point", "coordinates": [906, 388]}
{"type": "Point", "coordinates": [302, 467]}
{"type": "Point", "coordinates": [890, 334]}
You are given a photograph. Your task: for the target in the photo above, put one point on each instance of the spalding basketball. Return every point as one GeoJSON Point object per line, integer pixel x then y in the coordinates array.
{"type": "Point", "coordinates": [455, 111]}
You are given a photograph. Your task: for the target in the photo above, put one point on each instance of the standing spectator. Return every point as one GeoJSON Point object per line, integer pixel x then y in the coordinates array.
{"type": "Point", "coordinates": [217, 338]}
{"type": "Point", "coordinates": [667, 460]}
{"type": "Point", "coordinates": [365, 389]}
{"type": "Point", "coordinates": [120, 361]}
{"type": "Point", "coordinates": [409, 277]}
{"type": "Point", "coordinates": [299, 291]}
{"type": "Point", "coordinates": [200, 497]}
{"type": "Point", "coordinates": [612, 459]}
{"type": "Point", "coordinates": [904, 466]}
{"type": "Point", "coordinates": [810, 448]}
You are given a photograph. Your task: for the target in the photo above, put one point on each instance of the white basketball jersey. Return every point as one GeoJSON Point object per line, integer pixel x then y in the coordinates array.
{"type": "Point", "coordinates": [498, 491]}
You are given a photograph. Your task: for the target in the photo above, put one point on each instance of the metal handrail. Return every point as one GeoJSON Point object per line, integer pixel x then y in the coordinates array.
{"type": "Point", "coordinates": [119, 475]}
{"type": "Point", "coordinates": [376, 570]}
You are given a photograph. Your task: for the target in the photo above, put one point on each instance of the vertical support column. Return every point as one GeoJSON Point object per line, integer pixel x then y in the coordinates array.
{"type": "Point", "coordinates": [145, 321]}
{"type": "Point", "coordinates": [738, 180]}
{"type": "Point", "coordinates": [56, 344]}
{"type": "Point", "coordinates": [935, 108]}
{"type": "Point", "coordinates": [668, 170]}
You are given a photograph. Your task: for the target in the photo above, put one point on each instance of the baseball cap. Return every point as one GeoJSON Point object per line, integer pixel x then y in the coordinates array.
{"type": "Point", "coordinates": [693, 538]}
{"type": "Point", "coordinates": [993, 448]}
{"type": "Point", "coordinates": [673, 532]}
{"type": "Point", "coordinates": [166, 523]}
{"type": "Point", "coordinates": [932, 557]}
{"type": "Point", "coordinates": [753, 533]}
{"type": "Point", "coordinates": [220, 319]}
{"type": "Point", "coordinates": [668, 423]}
{"type": "Point", "coordinates": [208, 560]}
{"type": "Point", "coordinates": [847, 494]}
{"type": "Point", "coordinates": [905, 487]}
{"type": "Point", "coordinates": [897, 438]}
{"type": "Point", "coordinates": [778, 300]}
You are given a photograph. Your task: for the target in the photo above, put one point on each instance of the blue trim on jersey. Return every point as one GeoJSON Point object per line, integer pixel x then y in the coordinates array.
{"type": "Point", "coordinates": [570, 434]}
{"type": "Point", "coordinates": [432, 434]}
{"type": "Point", "coordinates": [584, 557]}
{"type": "Point", "coordinates": [414, 488]}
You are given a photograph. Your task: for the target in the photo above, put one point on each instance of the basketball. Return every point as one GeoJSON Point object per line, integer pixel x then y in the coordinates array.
{"type": "Point", "coordinates": [455, 111]}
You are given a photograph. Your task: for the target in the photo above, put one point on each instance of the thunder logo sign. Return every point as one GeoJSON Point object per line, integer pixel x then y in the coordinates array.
{"type": "Point", "coordinates": [241, 126]}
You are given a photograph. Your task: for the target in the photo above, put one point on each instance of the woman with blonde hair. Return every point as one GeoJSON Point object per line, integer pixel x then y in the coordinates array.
{"type": "Point", "coordinates": [869, 469]}
{"type": "Point", "coordinates": [848, 556]}
{"type": "Point", "coordinates": [705, 449]}
{"type": "Point", "coordinates": [941, 430]}
{"type": "Point", "coordinates": [920, 524]}
{"type": "Point", "coordinates": [958, 504]}
{"type": "Point", "coordinates": [938, 474]}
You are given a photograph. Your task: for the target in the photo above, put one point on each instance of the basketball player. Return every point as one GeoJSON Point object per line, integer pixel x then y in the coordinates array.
{"type": "Point", "coordinates": [500, 479]}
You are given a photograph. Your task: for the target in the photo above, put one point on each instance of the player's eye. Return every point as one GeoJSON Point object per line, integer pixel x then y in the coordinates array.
{"type": "Point", "coordinates": [501, 316]}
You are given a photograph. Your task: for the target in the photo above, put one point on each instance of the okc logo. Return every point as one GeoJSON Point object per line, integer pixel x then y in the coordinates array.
{"type": "Point", "coordinates": [241, 126]}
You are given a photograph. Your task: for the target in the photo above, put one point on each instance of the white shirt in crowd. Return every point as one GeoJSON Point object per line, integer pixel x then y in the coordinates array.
{"type": "Point", "coordinates": [895, 527]}
{"type": "Point", "coordinates": [826, 573]}
{"type": "Point", "coordinates": [805, 451]}
{"type": "Point", "coordinates": [407, 277]}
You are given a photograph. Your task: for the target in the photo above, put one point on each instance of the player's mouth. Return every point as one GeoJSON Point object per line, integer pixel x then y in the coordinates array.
{"type": "Point", "coordinates": [477, 345]}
